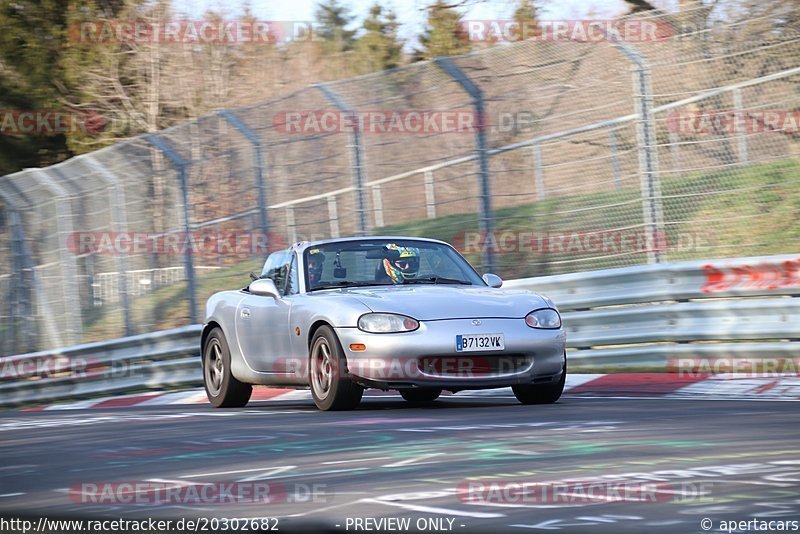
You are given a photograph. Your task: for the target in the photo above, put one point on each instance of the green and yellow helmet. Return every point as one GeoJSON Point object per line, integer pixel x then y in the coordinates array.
{"type": "Point", "coordinates": [401, 263]}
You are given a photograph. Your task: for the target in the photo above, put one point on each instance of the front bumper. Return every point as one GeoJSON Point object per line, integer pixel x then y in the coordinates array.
{"type": "Point", "coordinates": [427, 357]}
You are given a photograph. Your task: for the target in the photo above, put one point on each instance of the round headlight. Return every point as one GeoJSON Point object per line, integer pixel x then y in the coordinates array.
{"type": "Point", "coordinates": [386, 323]}
{"type": "Point", "coordinates": [544, 318]}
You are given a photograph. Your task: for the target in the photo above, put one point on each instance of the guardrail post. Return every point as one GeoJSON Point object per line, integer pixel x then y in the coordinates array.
{"type": "Point", "coordinates": [481, 146]}
{"type": "Point", "coordinates": [652, 207]}
{"type": "Point", "coordinates": [180, 165]}
{"type": "Point", "coordinates": [255, 140]}
{"type": "Point", "coordinates": [119, 221]}
{"type": "Point", "coordinates": [358, 165]}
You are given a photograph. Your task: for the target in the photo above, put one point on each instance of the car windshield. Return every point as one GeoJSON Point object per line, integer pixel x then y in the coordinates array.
{"type": "Point", "coordinates": [385, 262]}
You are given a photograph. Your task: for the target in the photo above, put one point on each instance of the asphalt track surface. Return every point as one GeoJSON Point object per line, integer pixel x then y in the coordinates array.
{"type": "Point", "coordinates": [716, 459]}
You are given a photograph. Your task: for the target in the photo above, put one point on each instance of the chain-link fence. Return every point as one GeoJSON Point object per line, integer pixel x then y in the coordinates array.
{"type": "Point", "coordinates": [539, 157]}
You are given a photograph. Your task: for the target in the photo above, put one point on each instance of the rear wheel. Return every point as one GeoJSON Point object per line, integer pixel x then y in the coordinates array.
{"type": "Point", "coordinates": [541, 393]}
{"type": "Point", "coordinates": [420, 395]}
{"type": "Point", "coordinates": [222, 388]}
{"type": "Point", "coordinates": [330, 387]}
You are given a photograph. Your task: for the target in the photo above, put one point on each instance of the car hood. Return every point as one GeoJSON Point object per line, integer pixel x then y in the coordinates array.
{"type": "Point", "coordinates": [432, 302]}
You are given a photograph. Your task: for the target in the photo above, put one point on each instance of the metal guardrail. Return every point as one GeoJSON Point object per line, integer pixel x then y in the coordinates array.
{"type": "Point", "coordinates": [632, 317]}
{"type": "Point", "coordinates": [148, 361]}
{"type": "Point", "coordinates": [654, 315]}
{"type": "Point", "coordinates": [767, 276]}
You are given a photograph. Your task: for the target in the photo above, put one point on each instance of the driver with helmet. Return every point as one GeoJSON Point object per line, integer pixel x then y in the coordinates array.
{"type": "Point", "coordinates": [399, 264]}
{"type": "Point", "coordinates": [316, 261]}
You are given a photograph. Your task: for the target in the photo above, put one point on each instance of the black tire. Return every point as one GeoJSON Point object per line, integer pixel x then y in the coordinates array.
{"type": "Point", "coordinates": [222, 388]}
{"type": "Point", "coordinates": [541, 393]}
{"type": "Point", "coordinates": [420, 395]}
{"type": "Point", "coordinates": [331, 387]}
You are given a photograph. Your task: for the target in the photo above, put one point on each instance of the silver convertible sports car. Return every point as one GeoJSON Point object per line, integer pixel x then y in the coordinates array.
{"type": "Point", "coordinates": [410, 314]}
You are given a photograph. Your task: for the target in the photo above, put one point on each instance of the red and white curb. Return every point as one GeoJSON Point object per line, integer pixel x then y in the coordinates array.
{"type": "Point", "coordinates": [667, 385]}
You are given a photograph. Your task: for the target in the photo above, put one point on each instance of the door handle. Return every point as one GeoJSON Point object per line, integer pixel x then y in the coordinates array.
{"type": "Point", "coordinates": [245, 313]}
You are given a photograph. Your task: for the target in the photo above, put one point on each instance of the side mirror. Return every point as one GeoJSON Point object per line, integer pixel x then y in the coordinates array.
{"type": "Point", "coordinates": [264, 287]}
{"type": "Point", "coordinates": [492, 280]}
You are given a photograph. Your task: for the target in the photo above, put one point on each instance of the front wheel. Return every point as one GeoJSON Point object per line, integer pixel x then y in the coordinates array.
{"type": "Point", "coordinates": [420, 395]}
{"type": "Point", "coordinates": [541, 393]}
{"type": "Point", "coordinates": [222, 388]}
{"type": "Point", "coordinates": [330, 387]}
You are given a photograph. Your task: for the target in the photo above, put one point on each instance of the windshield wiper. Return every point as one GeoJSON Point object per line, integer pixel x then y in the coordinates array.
{"type": "Point", "coordinates": [345, 283]}
{"type": "Point", "coordinates": [437, 280]}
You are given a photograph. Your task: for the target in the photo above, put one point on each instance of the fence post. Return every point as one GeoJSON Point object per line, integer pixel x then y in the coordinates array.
{"type": "Point", "coordinates": [188, 262]}
{"type": "Point", "coordinates": [263, 220]}
{"type": "Point", "coordinates": [69, 265]}
{"type": "Point", "coordinates": [333, 216]}
{"type": "Point", "coordinates": [21, 303]}
{"type": "Point", "coordinates": [290, 224]}
{"type": "Point", "coordinates": [739, 115]}
{"type": "Point", "coordinates": [17, 290]}
{"type": "Point", "coordinates": [675, 149]}
{"type": "Point", "coordinates": [538, 171]}
{"type": "Point", "coordinates": [652, 206]}
{"type": "Point", "coordinates": [481, 147]}
{"type": "Point", "coordinates": [377, 203]}
{"type": "Point", "coordinates": [80, 221]}
{"type": "Point", "coordinates": [430, 195]}
{"type": "Point", "coordinates": [358, 166]}
{"type": "Point", "coordinates": [119, 222]}
{"type": "Point", "coordinates": [36, 294]}
{"type": "Point", "coordinates": [615, 166]}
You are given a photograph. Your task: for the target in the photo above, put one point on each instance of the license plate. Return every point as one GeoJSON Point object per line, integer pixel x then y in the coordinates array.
{"type": "Point", "coordinates": [479, 342]}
